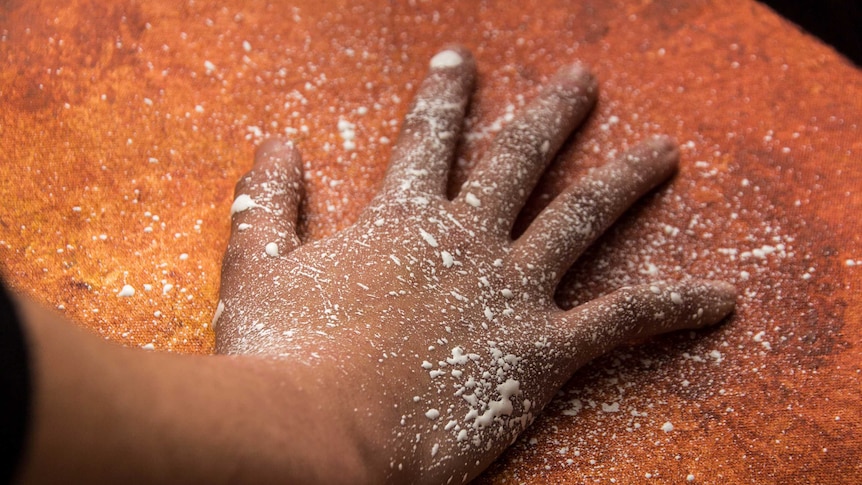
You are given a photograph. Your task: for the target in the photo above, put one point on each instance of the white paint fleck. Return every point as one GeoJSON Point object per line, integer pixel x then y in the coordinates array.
{"type": "Point", "coordinates": [430, 239]}
{"type": "Point", "coordinates": [271, 249]}
{"type": "Point", "coordinates": [432, 414]}
{"type": "Point", "coordinates": [472, 200]}
{"type": "Point", "coordinates": [611, 408]}
{"type": "Point", "coordinates": [447, 58]}
{"type": "Point", "coordinates": [242, 203]}
{"type": "Point", "coordinates": [448, 259]}
{"type": "Point", "coordinates": [347, 131]}
{"type": "Point", "coordinates": [458, 357]}
{"type": "Point", "coordinates": [500, 407]}
{"type": "Point", "coordinates": [127, 291]}
{"type": "Point", "coordinates": [667, 427]}
{"type": "Point", "coordinates": [218, 312]}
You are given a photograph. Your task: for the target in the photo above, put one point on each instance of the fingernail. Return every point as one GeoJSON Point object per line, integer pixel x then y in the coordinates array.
{"type": "Point", "coordinates": [659, 155]}
{"type": "Point", "coordinates": [663, 143]}
{"type": "Point", "coordinates": [273, 147]}
{"type": "Point", "coordinates": [724, 289]}
{"type": "Point", "coordinates": [275, 143]}
{"type": "Point", "coordinates": [725, 296]}
{"type": "Point", "coordinates": [577, 74]}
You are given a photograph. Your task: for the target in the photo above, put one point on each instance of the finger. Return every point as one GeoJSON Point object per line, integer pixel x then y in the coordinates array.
{"type": "Point", "coordinates": [502, 181]}
{"type": "Point", "coordinates": [264, 213]}
{"type": "Point", "coordinates": [585, 210]}
{"type": "Point", "coordinates": [426, 144]}
{"type": "Point", "coordinates": [643, 311]}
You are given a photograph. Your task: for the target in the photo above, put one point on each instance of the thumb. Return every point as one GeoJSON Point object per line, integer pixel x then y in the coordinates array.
{"type": "Point", "coordinates": [264, 213]}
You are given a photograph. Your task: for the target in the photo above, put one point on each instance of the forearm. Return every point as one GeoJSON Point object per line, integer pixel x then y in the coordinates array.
{"type": "Point", "coordinates": [107, 414]}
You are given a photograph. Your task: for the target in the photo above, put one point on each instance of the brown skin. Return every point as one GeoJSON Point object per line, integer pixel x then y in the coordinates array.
{"type": "Point", "coordinates": [413, 346]}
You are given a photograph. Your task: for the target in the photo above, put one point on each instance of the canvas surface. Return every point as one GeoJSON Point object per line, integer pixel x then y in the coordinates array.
{"type": "Point", "coordinates": [125, 125]}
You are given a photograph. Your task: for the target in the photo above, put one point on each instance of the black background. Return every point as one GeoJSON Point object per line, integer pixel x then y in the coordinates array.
{"type": "Point", "coordinates": [837, 22]}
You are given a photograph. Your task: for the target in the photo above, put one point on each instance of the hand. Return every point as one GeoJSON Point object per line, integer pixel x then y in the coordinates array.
{"type": "Point", "coordinates": [441, 331]}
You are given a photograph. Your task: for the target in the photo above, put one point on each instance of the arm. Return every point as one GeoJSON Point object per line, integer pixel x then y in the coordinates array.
{"type": "Point", "coordinates": [108, 414]}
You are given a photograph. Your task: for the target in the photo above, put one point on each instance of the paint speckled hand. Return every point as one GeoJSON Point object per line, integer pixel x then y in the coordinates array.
{"type": "Point", "coordinates": [442, 328]}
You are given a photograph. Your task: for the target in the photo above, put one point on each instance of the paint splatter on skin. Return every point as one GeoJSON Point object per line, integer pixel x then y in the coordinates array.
{"type": "Point", "coordinates": [444, 327]}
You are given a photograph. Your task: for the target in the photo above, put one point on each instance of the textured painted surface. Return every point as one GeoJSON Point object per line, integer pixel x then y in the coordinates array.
{"type": "Point", "coordinates": [125, 125]}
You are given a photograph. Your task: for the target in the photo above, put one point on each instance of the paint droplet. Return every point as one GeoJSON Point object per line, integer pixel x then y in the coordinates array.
{"type": "Point", "coordinates": [448, 259]}
{"type": "Point", "coordinates": [472, 200]}
{"type": "Point", "coordinates": [447, 58]}
{"type": "Point", "coordinates": [218, 312]}
{"type": "Point", "coordinates": [272, 249]}
{"type": "Point", "coordinates": [430, 239]}
{"type": "Point", "coordinates": [242, 203]}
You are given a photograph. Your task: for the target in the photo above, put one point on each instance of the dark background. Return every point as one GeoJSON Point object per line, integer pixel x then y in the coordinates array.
{"type": "Point", "coordinates": [837, 22]}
